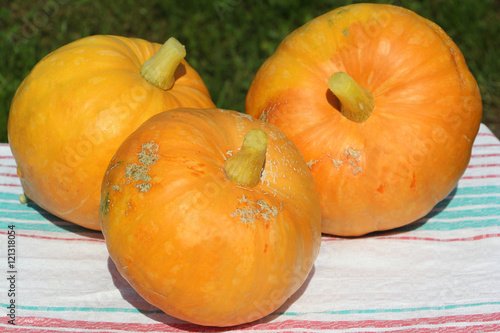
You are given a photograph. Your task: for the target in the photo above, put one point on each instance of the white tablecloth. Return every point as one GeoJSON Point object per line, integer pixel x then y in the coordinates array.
{"type": "Point", "coordinates": [440, 274]}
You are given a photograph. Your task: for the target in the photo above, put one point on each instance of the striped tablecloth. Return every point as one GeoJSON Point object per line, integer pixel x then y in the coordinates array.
{"type": "Point", "coordinates": [440, 274]}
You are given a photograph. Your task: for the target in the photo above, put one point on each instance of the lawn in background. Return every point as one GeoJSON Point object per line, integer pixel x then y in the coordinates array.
{"type": "Point", "coordinates": [226, 40]}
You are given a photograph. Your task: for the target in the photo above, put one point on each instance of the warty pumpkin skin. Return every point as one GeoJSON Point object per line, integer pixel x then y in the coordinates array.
{"type": "Point", "coordinates": [201, 247]}
{"type": "Point", "coordinates": [388, 165]}
{"type": "Point", "coordinates": [77, 105]}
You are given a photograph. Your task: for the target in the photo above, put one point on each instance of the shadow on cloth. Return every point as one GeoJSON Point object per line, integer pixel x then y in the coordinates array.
{"type": "Point", "coordinates": [154, 313]}
{"type": "Point", "coordinates": [59, 223]}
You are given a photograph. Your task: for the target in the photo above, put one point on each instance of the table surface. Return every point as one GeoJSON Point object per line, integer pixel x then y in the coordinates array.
{"type": "Point", "coordinates": [439, 274]}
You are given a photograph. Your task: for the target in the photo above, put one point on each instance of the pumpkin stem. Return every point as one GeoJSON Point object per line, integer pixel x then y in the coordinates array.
{"type": "Point", "coordinates": [356, 103]}
{"type": "Point", "coordinates": [159, 70]}
{"type": "Point", "coordinates": [23, 199]}
{"type": "Point", "coordinates": [245, 167]}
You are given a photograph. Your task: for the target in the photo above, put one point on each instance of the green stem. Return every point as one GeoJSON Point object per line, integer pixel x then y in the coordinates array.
{"type": "Point", "coordinates": [159, 70]}
{"type": "Point", "coordinates": [23, 199]}
{"type": "Point", "coordinates": [245, 167]}
{"type": "Point", "coordinates": [356, 103]}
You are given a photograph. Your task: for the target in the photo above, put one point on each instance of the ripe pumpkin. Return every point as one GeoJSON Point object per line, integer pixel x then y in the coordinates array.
{"type": "Point", "coordinates": [383, 107]}
{"type": "Point", "coordinates": [209, 232]}
{"type": "Point", "coordinates": [78, 104]}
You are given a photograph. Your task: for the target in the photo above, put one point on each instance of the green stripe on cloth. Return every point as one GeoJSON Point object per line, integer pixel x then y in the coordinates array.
{"type": "Point", "coordinates": [62, 226]}
{"type": "Point", "coordinates": [81, 309]}
{"type": "Point", "coordinates": [287, 313]}
{"type": "Point", "coordinates": [444, 217]}
{"type": "Point", "coordinates": [394, 310]}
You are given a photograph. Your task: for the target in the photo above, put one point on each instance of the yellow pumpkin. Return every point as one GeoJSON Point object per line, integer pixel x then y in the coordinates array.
{"type": "Point", "coordinates": [383, 107]}
{"type": "Point", "coordinates": [211, 215]}
{"type": "Point", "coordinates": [78, 104]}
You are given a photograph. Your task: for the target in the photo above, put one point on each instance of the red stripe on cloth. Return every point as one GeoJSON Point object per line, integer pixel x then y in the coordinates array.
{"type": "Point", "coordinates": [481, 177]}
{"type": "Point", "coordinates": [6, 157]}
{"type": "Point", "coordinates": [486, 134]}
{"type": "Point", "coordinates": [9, 175]}
{"type": "Point", "coordinates": [465, 239]}
{"type": "Point", "coordinates": [457, 323]}
{"type": "Point", "coordinates": [452, 329]}
{"type": "Point", "coordinates": [483, 165]}
{"type": "Point", "coordinates": [484, 155]}
{"type": "Point", "coordinates": [11, 185]}
{"type": "Point", "coordinates": [483, 145]}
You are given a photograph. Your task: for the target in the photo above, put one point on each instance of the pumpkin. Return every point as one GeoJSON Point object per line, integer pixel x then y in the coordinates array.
{"type": "Point", "coordinates": [78, 104]}
{"type": "Point", "coordinates": [211, 215]}
{"type": "Point", "coordinates": [383, 107]}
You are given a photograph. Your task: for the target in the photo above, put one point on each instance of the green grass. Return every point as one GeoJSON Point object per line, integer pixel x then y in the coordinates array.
{"type": "Point", "coordinates": [226, 40]}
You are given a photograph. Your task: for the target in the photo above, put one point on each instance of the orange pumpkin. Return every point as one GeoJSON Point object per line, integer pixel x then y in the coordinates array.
{"type": "Point", "coordinates": [79, 103]}
{"type": "Point", "coordinates": [208, 232]}
{"type": "Point", "coordinates": [383, 107]}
